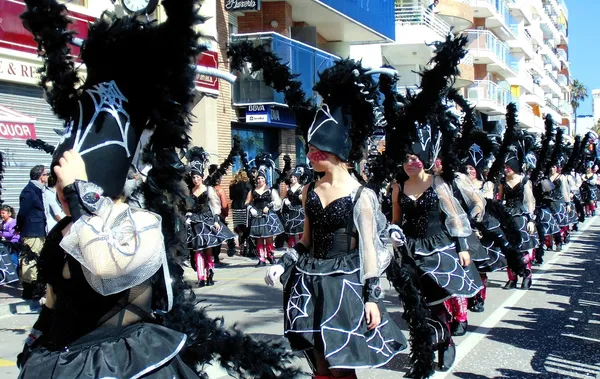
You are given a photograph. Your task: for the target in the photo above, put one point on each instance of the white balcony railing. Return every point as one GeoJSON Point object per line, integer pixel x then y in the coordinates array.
{"type": "Point", "coordinates": [486, 90]}
{"type": "Point", "coordinates": [563, 80]}
{"type": "Point", "coordinates": [420, 15]}
{"type": "Point", "coordinates": [562, 54]}
{"type": "Point", "coordinates": [486, 40]}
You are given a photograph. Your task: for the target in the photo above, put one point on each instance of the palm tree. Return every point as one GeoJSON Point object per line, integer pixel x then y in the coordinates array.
{"type": "Point", "coordinates": [578, 94]}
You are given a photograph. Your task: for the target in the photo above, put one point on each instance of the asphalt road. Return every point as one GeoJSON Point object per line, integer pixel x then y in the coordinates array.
{"type": "Point", "coordinates": [549, 331]}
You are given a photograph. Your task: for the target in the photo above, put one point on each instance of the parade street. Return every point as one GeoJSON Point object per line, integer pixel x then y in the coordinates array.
{"type": "Point", "coordinates": [550, 331]}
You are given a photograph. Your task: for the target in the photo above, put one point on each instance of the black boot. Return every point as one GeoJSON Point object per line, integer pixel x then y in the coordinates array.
{"type": "Point", "coordinates": [209, 280]}
{"type": "Point", "coordinates": [510, 285]}
{"type": "Point", "coordinates": [231, 248]}
{"type": "Point", "coordinates": [201, 283]}
{"type": "Point", "coordinates": [526, 284]}
{"type": "Point", "coordinates": [459, 328]}
{"type": "Point", "coordinates": [446, 356]}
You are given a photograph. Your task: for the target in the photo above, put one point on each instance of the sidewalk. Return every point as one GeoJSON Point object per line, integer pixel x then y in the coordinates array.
{"type": "Point", "coordinates": [11, 303]}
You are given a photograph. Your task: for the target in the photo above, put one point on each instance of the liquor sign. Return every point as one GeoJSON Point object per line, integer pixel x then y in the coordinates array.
{"type": "Point", "coordinates": [204, 83]}
{"type": "Point", "coordinates": [16, 125]}
{"type": "Point", "coordinates": [242, 5]}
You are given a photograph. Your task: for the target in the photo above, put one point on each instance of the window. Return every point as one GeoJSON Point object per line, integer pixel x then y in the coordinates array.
{"type": "Point", "coordinates": [255, 141]}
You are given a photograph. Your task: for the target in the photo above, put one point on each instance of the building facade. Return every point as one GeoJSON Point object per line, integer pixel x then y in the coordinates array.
{"type": "Point", "coordinates": [23, 111]}
{"type": "Point", "coordinates": [308, 35]}
{"type": "Point", "coordinates": [518, 52]}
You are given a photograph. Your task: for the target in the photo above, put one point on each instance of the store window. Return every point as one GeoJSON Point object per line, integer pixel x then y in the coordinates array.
{"type": "Point", "coordinates": [256, 141]}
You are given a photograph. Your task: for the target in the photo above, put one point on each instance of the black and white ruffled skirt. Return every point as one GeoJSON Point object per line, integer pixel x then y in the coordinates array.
{"type": "Point", "coordinates": [589, 193]}
{"type": "Point", "coordinates": [528, 240]}
{"type": "Point", "coordinates": [559, 212]}
{"type": "Point", "coordinates": [265, 225]}
{"type": "Point", "coordinates": [441, 275]}
{"type": "Point", "coordinates": [293, 219]}
{"type": "Point", "coordinates": [8, 270]}
{"type": "Point", "coordinates": [546, 221]}
{"type": "Point", "coordinates": [491, 234]}
{"type": "Point", "coordinates": [136, 351]}
{"type": "Point", "coordinates": [324, 306]}
{"type": "Point", "coordinates": [201, 235]}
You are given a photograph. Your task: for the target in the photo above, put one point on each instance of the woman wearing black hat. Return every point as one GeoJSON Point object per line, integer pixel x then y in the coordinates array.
{"type": "Point", "coordinates": [116, 303]}
{"type": "Point", "coordinates": [262, 202]}
{"type": "Point", "coordinates": [206, 229]}
{"type": "Point", "coordinates": [293, 212]}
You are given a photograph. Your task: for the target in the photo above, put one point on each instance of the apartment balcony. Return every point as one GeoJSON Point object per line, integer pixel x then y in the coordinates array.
{"type": "Point", "coordinates": [529, 120]}
{"type": "Point", "coordinates": [467, 72]}
{"type": "Point", "coordinates": [563, 81]}
{"type": "Point", "coordinates": [550, 83]}
{"type": "Point", "coordinates": [457, 13]}
{"type": "Point", "coordinates": [536, 33]}
{"type": "Point", "coordinates": [497, 16]}
{"type": "Point", "coordinates": [550, 55]}
{"type": "Point", "coordinates": [553, 110]}
{"type": "Point", "coordinates": [523, 79]}
{"type": "Point", "coordinates": [548, 24]}
{"type": "Point", "coordinates": [536, 65]}
{"type": "Point", "coordinates": [487, 49]}
{"type": "Point", "coordinates": [566, 110]}
{"type": "Point", "coordinates": [521, 10]}
{"type": "Point", "coordinates": [416, 29]}
{"type": "Point", "coordinates": [564, 34]}
{"type": "Point", "coordinates": [343, 20]}
{"type": "Point", "coordinates": [302, 59]}
{"type": "Point", "coordinates": [536, 97]}
{"type": "Point", "coordinates": [523, 44]}
{"type": "Point", "coordinates": [562, 56]}
{"type": "Point", "coordinates": [488, 97]}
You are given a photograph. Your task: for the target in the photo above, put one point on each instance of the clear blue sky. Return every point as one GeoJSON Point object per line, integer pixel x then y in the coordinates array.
{"type": "Point", "coordinates": [584, 46]}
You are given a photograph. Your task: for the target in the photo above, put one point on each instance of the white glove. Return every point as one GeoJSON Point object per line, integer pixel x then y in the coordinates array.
{"type": "Point", "coordinates": [188, 221]}
{"type": "Point", "coordinates": [397, 235]}
{"type": "Point", "coordinates": [189, 214]}
{"type": "Point", "coordinates": [253, 212]}
{"type": "Point", "coordinates": [287, 202]}
{"type": "Point", "coordinates": [273, 274]}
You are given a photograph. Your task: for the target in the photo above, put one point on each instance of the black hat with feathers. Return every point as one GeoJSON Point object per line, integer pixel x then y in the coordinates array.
{"type": "Point", "coordinates": [507, 149]}
{"type": "Point", "coordinates": [557, 158]}
{"type": "Point", "coordinates": [545, 151]}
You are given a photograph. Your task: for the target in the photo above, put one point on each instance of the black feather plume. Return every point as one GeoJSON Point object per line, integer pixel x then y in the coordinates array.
{"type": "Point", "coordinates": [545, 151]}
{"type": "Point", "coordinates": [40, 145]}
{"type": "Point", "coordinates": [236, 148]}
{"type": "Point", "coordinates": [510, 135]}
{"type": "Point", "coordinates": [557, 151]}
{"type": "Point", "coordinates": [574, 157]}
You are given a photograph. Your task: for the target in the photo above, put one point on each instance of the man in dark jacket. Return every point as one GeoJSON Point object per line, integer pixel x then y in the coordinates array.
{"type": "Point", "coordinates": [31, 222]}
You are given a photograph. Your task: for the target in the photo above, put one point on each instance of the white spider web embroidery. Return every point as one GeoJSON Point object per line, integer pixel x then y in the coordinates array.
{"type": "Point", "coordinates": [107, 98]}
{"type": "Point", "coordinates": [298, 302]}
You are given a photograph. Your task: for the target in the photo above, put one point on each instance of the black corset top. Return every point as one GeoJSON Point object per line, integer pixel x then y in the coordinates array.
{"type": "Point", "coordinates": [514, 195]}
{"type": "Point", "coordinates": [200, 203]}
{"type": "Point", "coordinates": [294, 196]}
{"type": "Point", "coordinates": [261, 200]}
{"type": "Point", "coordinates": [556, 194]}
{"type": "Point", "coordinates": [326, 222]}
{"type": "Point", "coordinates": [421, 218]}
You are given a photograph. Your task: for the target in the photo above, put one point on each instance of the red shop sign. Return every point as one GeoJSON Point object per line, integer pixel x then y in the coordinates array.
{"type": "Point", "coordinates": [16, 125]}
{"type": "Point", "coordinates": [208, 84]}
{"type": "Point", "coordinates": [14, 36]}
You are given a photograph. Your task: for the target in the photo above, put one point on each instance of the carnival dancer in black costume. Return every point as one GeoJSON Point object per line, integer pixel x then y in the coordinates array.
{"type": "Point", "coordinates": [262, 202]}
{"type": "Point", "coordinates": [435, 225]}
{"type": "Point", "coordinates": [474, 151]}
{"type": "Point", "coordinates": [113, 284]}
{"type": "Point", "coordinates": [205, 228]}
{"type": "Point", "coordinates": [333, 307]}
{"type": "Point", "coordinates": [516, 191]}
{"type": "Point", "coordinates": [293, 211]}
{"type": "Point", "coordinates": [589, 189]}
{"type": "Point", "coordinates": [545, 222]}
{"type": "Point", "coordinates": [559, 198]}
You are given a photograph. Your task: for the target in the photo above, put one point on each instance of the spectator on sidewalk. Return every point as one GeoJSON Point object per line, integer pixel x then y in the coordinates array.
{"type": "Point", "coordinates": [54, 212]}
{"type": "Point", "coordinates": [31, 224]}
{"type": "Point", "coordinates": [8, 229]}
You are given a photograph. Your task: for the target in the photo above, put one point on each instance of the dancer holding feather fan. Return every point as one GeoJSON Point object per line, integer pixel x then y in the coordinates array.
{"type": "Point", "coordinates": [113, 284]}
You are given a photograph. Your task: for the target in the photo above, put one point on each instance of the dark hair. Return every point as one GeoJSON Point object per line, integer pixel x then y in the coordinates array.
{"type": "Point", "coordinates": [51, 181]}
{"type": "Point", "coordinates": [36, 172]}
{"type": "Point", "coordinates": [8, 209]}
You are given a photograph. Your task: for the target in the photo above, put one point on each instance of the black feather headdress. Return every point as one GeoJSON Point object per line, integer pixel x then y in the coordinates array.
{"type": "Point", "coordinates": [545, 151]}
{"type": "Point", "coordinates": [574, 157]}
{"type": "Point", "coordinates": [507, 148]}
{"type": "Point", "coordinates": [557, 158]}
{"type": "Point", "coordinates": [221, 170]}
